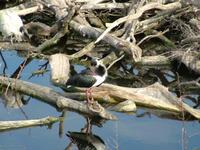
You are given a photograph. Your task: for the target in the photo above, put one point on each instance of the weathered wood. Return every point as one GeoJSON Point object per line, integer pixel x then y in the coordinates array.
{"type": "Point", "coordinates": [154, 61]}
{"type": "Point", "coordinates": [88, 48]}
{"type": "Point", "coordinates": [141, 10]}
{"type": "Point", "coordinates": [108, 6]}
{"type": "Point", "coordinates": [8, 125]}
{"type": "Point", "coordinates": [114, 41]}
{"type": "Point", "coordinates": [155, 96]}
{"type": "Point", "coordinates": [49, 96]}
{"type": "Point", "coordinates": [189, 58]}
{"type": "Point", "coordinates": [152, 17]}
{"type": "Point", "coordinates": [125, 106]}
{"type": "Point", "coordinates": [60, 68]}
{"type": "Point", "coordinates": [57, 6]}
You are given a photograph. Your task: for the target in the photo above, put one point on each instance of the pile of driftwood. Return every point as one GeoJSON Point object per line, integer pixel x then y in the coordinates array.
{"type": "Point", "coordinates": [150, 48]}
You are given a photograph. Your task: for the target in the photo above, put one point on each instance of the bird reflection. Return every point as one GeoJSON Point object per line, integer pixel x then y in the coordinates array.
{"type": "Point", "coordinates": [86, 140]}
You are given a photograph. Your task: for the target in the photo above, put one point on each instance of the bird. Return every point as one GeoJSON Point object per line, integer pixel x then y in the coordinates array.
{"type": "Point", "coordinates": [86, 141]}
{"type": "Point", "coordinates": [11, 24]}
{"type": "Point", "coordinates": [90, 77]}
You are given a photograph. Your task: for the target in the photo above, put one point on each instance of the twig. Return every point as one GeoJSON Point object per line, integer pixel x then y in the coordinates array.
{"type": "Point", "coordinates": [18, 71]}
{"type": "Point", "coordinates": [61, 124]}
{"type": "Point", "coordinates": [48, 43]}
{"type": "Point", "coordinates": [5, 64]}
{"type": "Point", "coordinates": [38, 72]}
{"type": "Point", "coordinates": [151, 36]}
{"type": "Point", "coordinates": [115, 62]}
{"type": "Point", "coordinates": [29, 10]}
{"type": "Point", "coordinates": [82, 52]}
{"type": "Point", "coordinates": [154, 61]}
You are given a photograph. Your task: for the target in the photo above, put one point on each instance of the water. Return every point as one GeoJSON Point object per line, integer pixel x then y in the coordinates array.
{"type": "Point", "coordinates": [128, 133]}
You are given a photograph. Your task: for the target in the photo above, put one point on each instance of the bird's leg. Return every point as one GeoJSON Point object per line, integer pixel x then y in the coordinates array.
{"type": "Point", "coordinates": [88, 96]}
{"type": "Point", "coordinates": [90, 92]}
{"type": "Point", "coordinates": [88, 126]}
{"type": "Point", "coordinates": [92, 105]}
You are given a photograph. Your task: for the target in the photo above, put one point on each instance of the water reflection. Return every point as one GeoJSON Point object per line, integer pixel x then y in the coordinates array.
{"type": "Point", "coordinates": [84, 141]}
{"type": "Point", "coordinates": [164, 114]}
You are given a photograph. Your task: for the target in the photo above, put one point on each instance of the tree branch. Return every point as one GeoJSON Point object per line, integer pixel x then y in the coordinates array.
{"type": "Point", "coordinates": [49, 96]}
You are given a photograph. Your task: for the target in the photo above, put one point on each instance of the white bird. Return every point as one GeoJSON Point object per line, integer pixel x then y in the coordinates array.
{"type": "Point", "coordinates": [10, 25]}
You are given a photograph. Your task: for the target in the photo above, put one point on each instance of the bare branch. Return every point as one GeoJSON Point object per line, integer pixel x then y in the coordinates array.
{"type": "Point", "coordinates": [49, 96]}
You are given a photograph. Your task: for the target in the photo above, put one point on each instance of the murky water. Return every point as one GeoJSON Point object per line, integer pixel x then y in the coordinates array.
{"type": "Point", "coordinates": [128, 133]}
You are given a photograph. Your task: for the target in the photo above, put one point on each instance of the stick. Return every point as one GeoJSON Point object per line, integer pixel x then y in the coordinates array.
{"type": "Point", "coordinates": [7, 125]}
{"type": "Point", "coordinates": [106, 6]}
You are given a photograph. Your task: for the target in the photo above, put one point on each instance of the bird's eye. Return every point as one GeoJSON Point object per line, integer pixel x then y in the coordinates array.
{"type": "Point", "coordinates": [93, 63]}
{"type": "Point", "coordinates": [21, 29]}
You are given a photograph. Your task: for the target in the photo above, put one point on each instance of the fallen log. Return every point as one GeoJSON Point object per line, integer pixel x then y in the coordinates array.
{"type": "Point", "coordinates": [52, 97]}
{"type": "Point", "coordinates": [154, 96]}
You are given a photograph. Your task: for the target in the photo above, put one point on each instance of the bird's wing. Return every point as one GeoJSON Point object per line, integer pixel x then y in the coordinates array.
{"type": "Point", "coordinates": [87, 72]}
{"type": "Point", "coordinates": [81, 80]}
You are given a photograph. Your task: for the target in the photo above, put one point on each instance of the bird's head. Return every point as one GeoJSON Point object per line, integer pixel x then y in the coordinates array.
{"type": "Point", "coordinates": [95, 62]}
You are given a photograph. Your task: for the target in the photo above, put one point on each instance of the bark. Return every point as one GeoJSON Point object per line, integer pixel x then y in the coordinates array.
{"type": "Point", "coordinates": [60, 68]}
{"type": "Point", "coordinates": [155, 96]}
{"type": "Point", "coordinates": [10, 125]}
{"type": "Point", "coordinates": [51, 97]}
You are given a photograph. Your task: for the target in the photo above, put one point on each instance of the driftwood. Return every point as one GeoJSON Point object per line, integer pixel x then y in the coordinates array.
{"type": "Point", "coordinates": [110, 39]}
{"type": "Point", "coordinates": [8, 125]}
{"type": "Point", "coordinates": [155, 96]}
{"type": "Point", "coordinates": [125, 106]}
{"type": "Point", "coordinates": [49, 96]}
{"type": "Point", "coordinates": [127, 42]}
{"type": "Point", "coordinates": [60, 68]}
